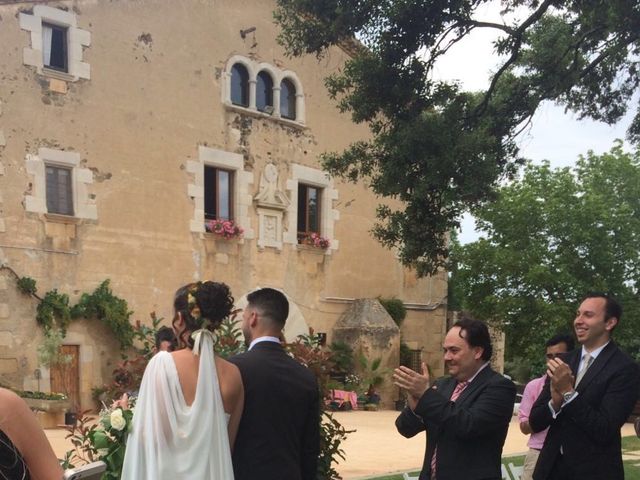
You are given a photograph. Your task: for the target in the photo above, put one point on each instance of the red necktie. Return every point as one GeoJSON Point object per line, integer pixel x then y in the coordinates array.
{"type": "Point", "coordinates": [454, 396]}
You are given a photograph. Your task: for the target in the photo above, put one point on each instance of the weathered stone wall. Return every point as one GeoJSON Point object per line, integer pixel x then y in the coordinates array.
{"type": "Point", "coordinates": [153, 96]}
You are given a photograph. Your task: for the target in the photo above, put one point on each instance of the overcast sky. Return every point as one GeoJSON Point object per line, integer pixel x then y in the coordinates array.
{"type": "Point", "coordinates": [554, 135]}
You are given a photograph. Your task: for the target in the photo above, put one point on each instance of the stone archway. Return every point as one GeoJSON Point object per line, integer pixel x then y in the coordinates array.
{"type": "Point", "coordinates": [296, 324]}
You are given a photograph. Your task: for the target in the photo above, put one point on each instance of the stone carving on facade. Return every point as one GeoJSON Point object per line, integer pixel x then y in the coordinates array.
{"type": "Point", "coordinates": [269, 195]}
{"type": "Point", "coordinates": [271, 205]}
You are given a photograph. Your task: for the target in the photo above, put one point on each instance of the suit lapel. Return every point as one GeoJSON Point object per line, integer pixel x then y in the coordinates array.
{"type": "Point", "coordinates": [598, 364]}
{"type": "Point", "coordinates": [477, 383]}
{"type": "Point", "coordinates": [446, 387]}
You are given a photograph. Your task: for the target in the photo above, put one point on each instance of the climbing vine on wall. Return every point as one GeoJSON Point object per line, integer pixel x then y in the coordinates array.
{"type": "Point", "coordinates": [103, 305]}
{"type": "Point", "coordinates": [55, 313]}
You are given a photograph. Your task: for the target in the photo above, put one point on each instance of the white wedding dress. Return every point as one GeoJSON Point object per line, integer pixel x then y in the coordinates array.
{"type": "Point", "coordinates": [171, 440]}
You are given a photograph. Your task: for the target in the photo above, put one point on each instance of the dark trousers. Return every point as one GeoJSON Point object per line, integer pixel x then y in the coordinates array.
{"type": "Point", "coordinates": [560, 470]}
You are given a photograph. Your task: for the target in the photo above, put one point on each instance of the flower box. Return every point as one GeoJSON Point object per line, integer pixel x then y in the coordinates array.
{"type": "Point", "coordinates": [227, 229]}
{"type": "Point", "coordinates": [314, 240]}
{"type": "Point", "coordinates": [52, 406]}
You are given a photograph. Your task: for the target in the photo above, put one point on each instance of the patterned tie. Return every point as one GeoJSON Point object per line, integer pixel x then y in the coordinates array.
{"type": "Point", "coordinates": [587, 360]}
{"type": "Point", "coordinates": [454, 396]}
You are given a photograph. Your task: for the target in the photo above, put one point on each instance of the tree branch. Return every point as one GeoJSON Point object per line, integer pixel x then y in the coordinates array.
{"type": "Point", "coordinates": [514, 52]}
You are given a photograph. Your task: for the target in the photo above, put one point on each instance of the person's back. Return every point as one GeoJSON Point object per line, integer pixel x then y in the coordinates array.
{"type": "Point", "coordinates": [231, 388]}
{"type": "Point", "coordinates": [280, 418]}
{"type": "Point", "coordinates": [278, 437]}
{"type": "Point", "coordinates": [190, 401]}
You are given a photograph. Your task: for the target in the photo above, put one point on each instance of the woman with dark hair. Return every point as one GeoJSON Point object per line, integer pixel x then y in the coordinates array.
{"type": "Point", "coordinates": [25, 452]}
{"type": "Point", "coordinates": [188, 410]}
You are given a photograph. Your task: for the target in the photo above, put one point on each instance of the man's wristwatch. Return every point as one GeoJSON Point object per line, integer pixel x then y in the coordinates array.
{"type": "Point", "coordinates": [568, 395]}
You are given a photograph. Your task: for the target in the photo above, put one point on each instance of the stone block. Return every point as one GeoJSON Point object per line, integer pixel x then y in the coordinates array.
{"type": "Point", "coordinates": [32, 57]}
{"type": "Point", "coordinates": [3, 141]}
{"type": "Point", "coordinates": [6, 339]}
{"type": "Point", "coordinates": [8, 365]}
{"type": "Point", "coordinates": [48, 420]}
{"type": "Point", "coordinates": [3, 283]}
{"type": "Point", "coordinates": [4, 310]}
{"type": "Point", "coordinates": [222, 258]}
{"type": "Point", "coordinates": [3, 227]}
{"type": "Point", "coordinates": [57, 86]}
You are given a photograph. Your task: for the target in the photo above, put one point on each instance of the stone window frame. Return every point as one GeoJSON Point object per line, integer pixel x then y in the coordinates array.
{"type": "Point", "coordinates": [77, 39]}
{"type": "Point", "coordinates": [277, 75]}
{"type": "Point", "coordinates": [328, 215]}
{"type": "Point", "coordinates": [83, 205]}
{"type": "Point", "coordinates": [242, 198]}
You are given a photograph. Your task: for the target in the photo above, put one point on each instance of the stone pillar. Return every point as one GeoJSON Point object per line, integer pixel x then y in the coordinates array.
{"type": "Point", "coordinates": [369, 329]}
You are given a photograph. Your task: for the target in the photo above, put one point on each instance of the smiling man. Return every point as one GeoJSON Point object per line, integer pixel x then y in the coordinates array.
{"type": "Point", "coordinates": [465, 415]}
{"type": "Point", "coordinates": [586, 400]}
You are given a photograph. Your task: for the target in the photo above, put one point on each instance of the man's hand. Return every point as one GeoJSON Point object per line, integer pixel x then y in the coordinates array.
{"type": "Point", "coordinates": [562, 380]}
{"type": "Point", "coordinates": [413, 382]}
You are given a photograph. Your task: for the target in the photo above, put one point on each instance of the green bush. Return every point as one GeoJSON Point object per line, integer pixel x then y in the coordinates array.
{"type": "Point", "coordinates": [395, 308]}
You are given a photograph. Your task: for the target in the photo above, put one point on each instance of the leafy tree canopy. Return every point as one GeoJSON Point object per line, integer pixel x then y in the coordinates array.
{"type": "Point", "coordinates": [551, 237]}
{"type": "Point", "coordinates": [437, 148]}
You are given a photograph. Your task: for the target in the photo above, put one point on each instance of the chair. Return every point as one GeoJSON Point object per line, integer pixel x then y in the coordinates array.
{"type": "Point", "coordinates": [505, 473]}
{"type": "Point", "coordinates": [90, 471]}
{"type": "Point", "coordinates": [516, 472]}
{"type": "Point", "coordinates": [406, 476]}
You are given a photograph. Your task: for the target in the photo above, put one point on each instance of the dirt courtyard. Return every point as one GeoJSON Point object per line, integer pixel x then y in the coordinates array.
{"type": "Point", "coordinates": [374, 449]}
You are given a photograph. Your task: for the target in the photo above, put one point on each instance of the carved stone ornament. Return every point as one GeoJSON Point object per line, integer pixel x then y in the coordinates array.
{"type": "Point", "coordinates": [269, 195]}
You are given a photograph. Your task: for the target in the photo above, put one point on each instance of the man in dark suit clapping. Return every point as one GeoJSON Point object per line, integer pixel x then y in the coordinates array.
{"type": "Point", "coordinates": [589, 396]}
{"type": "Point", "coordinates": [465, 415]}
{"type": "Point", "coordinates": [279, 433]}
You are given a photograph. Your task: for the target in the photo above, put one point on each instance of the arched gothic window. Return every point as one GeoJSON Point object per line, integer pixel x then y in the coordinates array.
{"type": "Point", "coordinates": [239, 85]}
{"type": "Point", "coordinates": [288, 99]}
{"type": "Point", "coordinates": [264, 92]}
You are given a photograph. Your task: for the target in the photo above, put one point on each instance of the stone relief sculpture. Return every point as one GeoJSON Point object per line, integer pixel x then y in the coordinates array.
{"type": "Point", "coordinates": [271, 204]}
{"type": "Point", "coordinates": [269, 195]}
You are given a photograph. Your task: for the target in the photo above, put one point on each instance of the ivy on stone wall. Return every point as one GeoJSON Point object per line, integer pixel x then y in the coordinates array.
{"type": "Point", "coordinates": [103, 305]}
{"type": "Point", "coordinates": [55, 313]}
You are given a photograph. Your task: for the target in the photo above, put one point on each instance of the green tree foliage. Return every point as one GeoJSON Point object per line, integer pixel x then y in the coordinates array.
{"type": "Point", "coordinates": [550, 237]}
{"type": "Point", "coordinates": [436, 148]}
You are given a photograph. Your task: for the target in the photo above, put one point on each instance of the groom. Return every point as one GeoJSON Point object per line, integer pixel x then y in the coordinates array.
{"type": "Point", "coordinates": [279, 436]}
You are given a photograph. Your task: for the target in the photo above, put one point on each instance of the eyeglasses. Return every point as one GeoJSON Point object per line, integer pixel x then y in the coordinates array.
{"type": "Point", "coordinates": [551, 356]}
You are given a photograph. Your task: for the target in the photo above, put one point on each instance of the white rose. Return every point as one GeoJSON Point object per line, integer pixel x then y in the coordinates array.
{"type": "Point", "coordinates": [117, 420]}
{"type": "Point", "coordinates": [102, 452]}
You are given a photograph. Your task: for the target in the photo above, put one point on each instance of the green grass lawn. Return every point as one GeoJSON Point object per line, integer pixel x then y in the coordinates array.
{"type": "Point", "coordinates": [629, 444]}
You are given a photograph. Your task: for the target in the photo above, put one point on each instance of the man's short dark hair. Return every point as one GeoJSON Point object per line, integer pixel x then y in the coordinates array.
{"type": "Point", "coordinates": [476, 335]}
{"type": "Point", "coordinates": [271, 303]}
{"type": "Point", "coordinates": [611, 308]}
{"type": "Point", "coordinates": [562, 338]}
{"type": "Point", "coordinates": [165, 334]}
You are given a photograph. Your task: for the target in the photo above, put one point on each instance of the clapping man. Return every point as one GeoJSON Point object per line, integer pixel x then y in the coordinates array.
{"type": "Point", "coordinates": [465, 415]}
{"type": "Point", "coordinates": [588, 397]}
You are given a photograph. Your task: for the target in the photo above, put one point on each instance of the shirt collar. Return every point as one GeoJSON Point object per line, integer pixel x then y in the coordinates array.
{"type": "Point", "coordinates": [479, 370]}
{"type": "Point", "coordinates": [594, 353]}
{"type": "Point", "coordinates": [264, 339]}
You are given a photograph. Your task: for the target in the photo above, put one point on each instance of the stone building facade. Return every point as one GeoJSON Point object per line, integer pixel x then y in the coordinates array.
{"type": "Point", "coordinates": [126, 125]}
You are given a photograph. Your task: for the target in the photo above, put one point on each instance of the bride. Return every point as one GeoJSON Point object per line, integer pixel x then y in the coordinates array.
{"type": "Point", "coordinates": [190, 401]}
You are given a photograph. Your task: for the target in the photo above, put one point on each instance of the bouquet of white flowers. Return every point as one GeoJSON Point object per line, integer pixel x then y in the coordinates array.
{"type": "Point", "coordinates": [105, 440]}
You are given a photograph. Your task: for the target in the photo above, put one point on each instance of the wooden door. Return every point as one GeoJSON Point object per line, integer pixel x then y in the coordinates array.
{"type": "Point", "coordinates": [65, 378]}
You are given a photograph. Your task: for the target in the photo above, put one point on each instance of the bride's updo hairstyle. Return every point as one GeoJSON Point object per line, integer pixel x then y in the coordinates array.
{"type": "Point", "coordinates": [202, 305]}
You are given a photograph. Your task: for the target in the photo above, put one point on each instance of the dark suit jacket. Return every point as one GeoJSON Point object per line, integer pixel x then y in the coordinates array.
{"type": "Point", "coordinates": [588, 428]}
{"type": "Point", "coordinates": [279, 436]}
{"type": "Point", "coordinates": [469, 432]}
